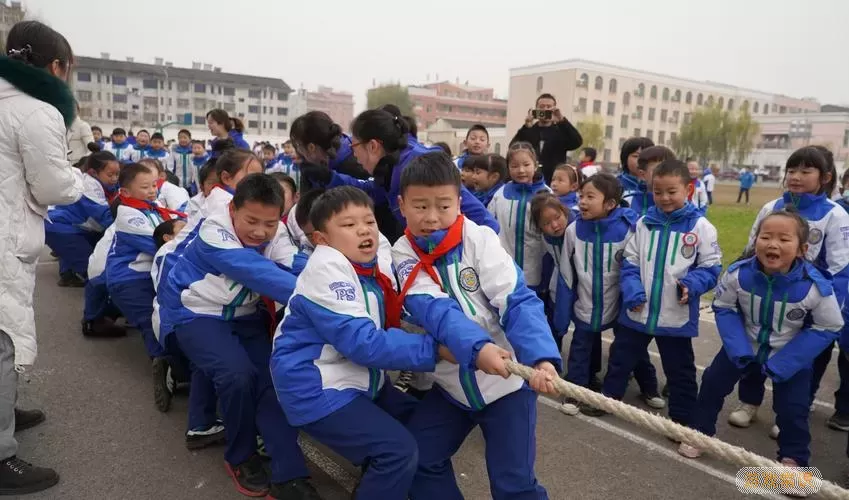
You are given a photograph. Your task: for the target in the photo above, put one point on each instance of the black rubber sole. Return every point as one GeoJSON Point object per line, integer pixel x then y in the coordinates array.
{"type": "Point", "coordinates": [30, 424]}
{"type": "Point", "coordinates": [161, 395]}
{"type": "Point", "coordinates": [31, 488]}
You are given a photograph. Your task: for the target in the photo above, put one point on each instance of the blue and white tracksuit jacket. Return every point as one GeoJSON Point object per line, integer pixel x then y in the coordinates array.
{"type": "Point", "coordinates": [173, 197]}
{"type": "Point", "coordinates": [519, 235]}
{"type": "Point", "coordinates": [180, 164]}
{"type": "Point", "coordinates": [828, 240]}
{"type": "Point", "coordinates": [590, 268]}
{"type": "Point", "coordinates": [486, 196]}
{"type": "Point", "coordinates": [162, 155]}
{"type": "Point", "coordinates": [90, 214]}
{"type": "Point", "coordinates": [635, 192]}
{"type": "Point", "coordinates": [194, 205]}
{"type": "Point", "coordinates": [285, 164]}
{"type": "Point", "coordinates": [218, 277]}
{"type": "Point", "coordinates": [133, 247]}
{"type": "Point", "coordinates": [97, 259]}
{"type": "Point", "coordinates": [333, 345]}
{"type": "Point", "coordinates": [700, 197]}
{"type": "Point", "coordinates": [665, 249]}
{"type": "Point", "coordinates": [482, 297]}
{"type": "Point", "coordinates": [121, 151]}
{"type": "Point", "coordinates": [138, 152]}
{"type": "Point", "coordinates": [782, 322]}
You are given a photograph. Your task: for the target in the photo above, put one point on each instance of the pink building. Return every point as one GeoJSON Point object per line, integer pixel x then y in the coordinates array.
{"type": "Point", "coordinates": [460, 105]}
{"type": "Point", "coordinates": [783, 134]}
{"type": "Point", "coordinates": [339, 105]}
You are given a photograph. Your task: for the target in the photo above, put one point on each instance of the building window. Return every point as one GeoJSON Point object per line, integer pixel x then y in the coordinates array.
{"type": "Point", "coordinates": [539, 84]}
{"type": "Point", "coordinates": [653, 93]}
{"type": "Point", "coordinates": [639, 114]}
{"type": "Point", "coordinates": [599, 83]}
{"type": "Point", "coordinates": [254, 94]}
{"type": "Point", "coordinates": [498, 148]}
{"type": "Point", "coordinates": [282, 125]}
{"type": "Point", "coordinates": [596, 107]}
{"type": "Point", "coordinates": [663, 115]}
{"type": "Point", "coordinates": [612, 86]}
{"type": "Point", "coordinates": [200, 104]}
{"type": "Point", "coordinates": [608, 132]}
{"type": "Point", "coordinates": [170, 85]}
{"type": "Point", "coordinates": [264, 110]}
{"type": "Point", "coordinates": [200, 120]}
{"type": "Point", "coordinates": [282, 96]}
{"type": "Point", "coordinates": [182, 103]}
{"type": "Point", "coordinates": [846, 138]}
{"type": "Point", "coordinates": [120, 81]}
{"type": "Point", "coordinates": [264, 94]}
{"type": "Point", "coordinates": [661, 137]}
{"type": "Point", "coordinates": [675, 116]}
{"type": "Point", "coordinates": [621, 143]}
{"type": "Point", "coordinates": [651, 114]}
{"type": "Point", "coordinates": [584, 80]}
{"type": "Point", "coordinates": [582, 105]}
{"type": "Point", "coordinates": [611, 109]}
{"type": "Point", "coordinates": [637, 132]}
{"type": "Point", "coordinates": [607, 154]}
{"type": "Point", "coordinates": [253, 109]}
{"type": "Point", "coordinates": [673, 139]}
{"type": "Point", "coordinates": [118, 115]}
{"type": "Point", "coordinates": [212, 89]}
{"type": "Point", "coordinates": [229, 107]}
{"type": "Point", "coordinates": [689, 98]}
{"type": "Point", "coordinates": [149, 84]}
{"type": "Point", "coordinates": [200, 88]}
{"type": "Point", "coordinates": [766, 108]}
{"type": "Point", "coordinates": [253, 124]}
{"type": "Point", "coordinates": [721, 102]}
{"type": "Point", "coordinates": [229, 91]}
{"type": "Point", "coordinates": [98, 96]}
{"type": "Point", "coordinates": [100, 113]}
{"type": "Point", "coordinates": [84, 95]}
{"type": "Point", "coordinates": [757, 107]}
{"type": "Point", "coordinates": [162, 101]}
{"type": "Point", "coordinates": [108, 113]}
{"type": "Point", "coordinates": [149, 118]}
{"type": "Point", "coordinates": [731, 104]}
{"type": "Point", "coordinates": [626, 98]}
{"type": "Point", "coordinates": [119, 98]}
{"type": "Point", "coordinates": [623, 121]}
{"type": "Point", "coordinates": [107, 78]}
{"type": "Point", "coordinates": [83, 77]}
{"type": "Point", "coordinates": [170, 101]}
{"type": "Point", "coordinates": [782, 110]}
{"type": "Point", "coordinates": [282, 111]}
{"type": "Point", "coordinates": [641, 90]}
{"type": "Point", "coordinates": [699, 100]}
{"type": "Point", "coordinates": [687, 117]}
{"type": "Point", "coordinates": [149, 102]}
{"type": "Point", "coordinates": [650, 134]}
{"type": "Point", "coordinates": [98, 78]}
{"type": "Point", "coordinates": [182, 87]}
{"type": "Point", "coordinates": [665, 95]}
{"type": "Point", "coordinates": [676, 97]}
{"type": "Point", "coordinates": [709, 101]}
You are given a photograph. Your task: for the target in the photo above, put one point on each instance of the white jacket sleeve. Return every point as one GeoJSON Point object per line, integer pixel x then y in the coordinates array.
{"type": "Point", "coordinates": [48, 173]}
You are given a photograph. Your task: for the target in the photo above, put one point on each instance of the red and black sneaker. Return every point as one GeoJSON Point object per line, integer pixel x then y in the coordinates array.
{"type": "Point", "coordinates": [250, 477]}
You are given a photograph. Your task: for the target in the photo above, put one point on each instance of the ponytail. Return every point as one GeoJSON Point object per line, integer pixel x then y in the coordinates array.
{"type": "Point", "coordinates": [236, 124]}
{"type": "Point", "coordinates": [317, 128]}
{"type": "Point", "coordinates": [36, 44]}
{"type": "Point", "coordinates": [377, 124]}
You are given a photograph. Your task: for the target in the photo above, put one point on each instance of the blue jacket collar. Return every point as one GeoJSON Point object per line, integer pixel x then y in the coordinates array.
{"type": "Point", "coordinates": [801, 270]}
{"type": "Point", "coordinates": [141, 148]}
{"type": "Point", "coordinates": [803, 201]}
{"type": "Point", "coordinates": [489, 193]}
{"type": "Point", "coordinates": [342, 154]}
{"type": "Point", "coordinates": [514, 190]}
{"type": "Point", "coordinates": [157, 153]}
{"type": "Point", "coordinates": [655, 216]}
{"type": "Point", "coordinates": [629, 182]}
{"type": "Point", "coordinates": [183, 150]}
{"type": "Point", "coordinates": [200, 160]}
{"type": "Point", "coordinates": [569, 200]}
{"type": "Point", "coordinates": [620, 213]}
{"type": "Point", "coordinates": [555, 241]}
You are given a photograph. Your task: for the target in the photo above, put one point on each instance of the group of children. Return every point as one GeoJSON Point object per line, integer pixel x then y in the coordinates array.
{"type": "Point", "coordinates": [208, 280]}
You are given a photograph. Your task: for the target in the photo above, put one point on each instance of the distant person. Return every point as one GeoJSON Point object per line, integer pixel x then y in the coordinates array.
{"type": "Point", "coordinates": [97, 133]}
{"type": "Point", "coordinates": [586, 162]}
{"type": "Point", "coordinates": [710, 181]}
{"type": "Point", "coordinates": [141, 147]}
{"type": "Point", "coordinates": [476, 143]}
{"type": "Point", "coordinates": [79, 137]}
{"type": "Point", "coordinates": [550, 133]}
{"type": "Point", "coordinates": [747, 178]}
{"type": "Point", "coordinates": [120, 146]}
{"type": "Point", "coordinates": [696, 192]}
{"type": "Point", "coordinates": [223, 126]}
{"type": "Point", "coordinates": [443, 146]}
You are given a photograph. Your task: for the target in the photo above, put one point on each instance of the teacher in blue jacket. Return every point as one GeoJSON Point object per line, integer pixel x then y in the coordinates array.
{"type": "Point", "coordinates": [380, 145]}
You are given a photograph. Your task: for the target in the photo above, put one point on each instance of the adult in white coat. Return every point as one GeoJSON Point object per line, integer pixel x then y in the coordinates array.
{"type": "Point", "coordinates": [36, 106]}
{"type": "Point", "coordinates": [79, 138]}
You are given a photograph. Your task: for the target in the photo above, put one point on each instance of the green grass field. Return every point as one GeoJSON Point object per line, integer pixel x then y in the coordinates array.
{"type": "Point", "coordinates": [732, 225]}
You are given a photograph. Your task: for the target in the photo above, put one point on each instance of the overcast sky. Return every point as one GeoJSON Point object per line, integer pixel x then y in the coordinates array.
{"type": "Point", "coordinates": [799, 48]}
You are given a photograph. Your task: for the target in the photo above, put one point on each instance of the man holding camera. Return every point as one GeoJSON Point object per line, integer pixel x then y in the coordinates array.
{"type": "Point", "coordinates": [551, 135]}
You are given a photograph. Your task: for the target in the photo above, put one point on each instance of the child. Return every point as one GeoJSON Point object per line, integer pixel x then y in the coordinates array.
{"type": "Point", "coordinates": [209, 301]}
{"type": "Point", "coordinates": [476, 143]}
{"type": "Point", "coordinates": [487, 174]}
{"type": "Point", "coordinates": [285, 163]}
{"type": "Point", "coordinates": [141, 147]}
{"type": "Point", "coordinates": [199, 155]}
{"type": "Point", "coordinates": [72, 231]}
{"type": "Point", "coordinates": [97, 134]}
{"type": "Point", "coordinates": [672, 259]}
{"type": "Point", "coordinates": [168, 195]}
{"type": "Point", "coordinates": [300, 226]}
{"type": "Point", "coordinates": [129, 261]}
{"type": "Point", "coordinates": [697, 193]}
{"type": "Point", "coordinates": [564, 183]}
{"type": "Point", "coordinates": [180, 161]}
{"type": "Point", "coordinates": [457, 280]}
{"type": "Point", "coordinates": [747, 179]}
{"type": "Point", "coordinates": [756, 340]}
{"type": "Point", "coordinates": [710, 181]}
{"type": "Point", "coordinates": [809, 181]}
{"type": "Point", "coordinates": [586, 163]}
{"type": "Point", "coordinates": [119, 146]}
{"type": "Point", "coordinates": [207, 178]}
{"type": "Point", "coordinates": [443, 146]}
{"type": "Point", "coordinates": [634, 191]}
{"type": "Point", "coordinates": [158, 150]}
{"type": "Point", "coordinates": [521, 239]}
{"type": "Point", "coordinates": [843, 201]}
{"type": "Point", "coordinates": [269, 157]}
{"type": "Point", "coordinates": [290, 192]}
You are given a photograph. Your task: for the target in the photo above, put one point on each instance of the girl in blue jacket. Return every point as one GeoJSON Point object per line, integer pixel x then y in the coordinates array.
{"type": "Point", "coordinates": [634, 189]}
{"type": "Point", "coordinates": [73, 230]}
{"type": "Point", "coordinates": [565, 183]}
{"type": "Point", "coordinates": [775, 313]}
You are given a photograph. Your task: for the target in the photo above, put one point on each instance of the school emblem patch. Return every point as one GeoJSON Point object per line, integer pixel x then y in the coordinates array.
{"type": "Point", "coordinates": [619, 255]}
{"type": "Point", "coordinates": [136, 221]}
{"type": "Point", "coordinates": [815, 236]}
{"type": "Point", "coordinates": [226, 235]}
{"type": "Point", "coordinates": [796, 314]}
{"type": "Point", "coordinates": [687, 251]}
{"type": "Point", "coordinates": [344, 290]}
{"type": "Point", "coordinates": [469, 280]}
{"type": "Point", "coordinates": [405, 268]}
{"type": "Point", "coordinates": [690, 239]}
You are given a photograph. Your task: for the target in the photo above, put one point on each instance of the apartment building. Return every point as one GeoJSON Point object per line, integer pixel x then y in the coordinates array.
{"type": "Point", "coordinates": [630, 102]}
{"type": "Point", "coordinates": [460, 105]}
{"type": "Point", "coordinates": [9, 15]}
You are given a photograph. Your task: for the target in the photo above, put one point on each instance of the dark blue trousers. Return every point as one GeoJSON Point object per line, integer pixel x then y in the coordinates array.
{"type": "Point", "coordinates": [676, 355]}
{"type": "Point", "coordinates": [97, 301]}
{"type": "Point", "coordinates": [135, 300]}
{"type": "Point", "coordinates": [373, 433]}
{"type": "Point", "coordinates": [584, 356]}
{"type": "Point", "coordinates": [509, 429]}
{"type": "Point", "coordinates": [72, 250]}
{"type": "Point", "coordinates": [790, 403]}
{"type": "Point", "coordinates": [234, 356]}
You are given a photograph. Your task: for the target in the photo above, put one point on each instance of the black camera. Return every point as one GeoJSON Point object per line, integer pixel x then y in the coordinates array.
{"type": "Point", "coordinates": [542, 114]}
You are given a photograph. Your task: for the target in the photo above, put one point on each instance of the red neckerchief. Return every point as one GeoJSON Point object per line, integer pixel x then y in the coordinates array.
{"type": "Point", "coordinates": [452, 238]}
{"type": "Point", "coordinates": [284, 219]}
{"type": "Point", "coordinates": [585, 164]}
{"type": "Point", "coordinates": [390, 295]}
{"type": "Point", "coordinates": [164, 213]}
{"type": "Point", "coordinates": [159, 183]}
{"type": "Point", "coordinates": [691, 190]}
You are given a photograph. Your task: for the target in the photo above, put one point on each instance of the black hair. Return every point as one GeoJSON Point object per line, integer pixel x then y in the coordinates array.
{"type": "Point", "coordinates": [119, 131]}
{"type": "Point", "coordinates": [229, 122]}
{"type": "Point", "coordinates": [269, 147]}
{"type": "Point", "coordinates": [388, 129]}
{"type": "Point", "coordinates": [789, 211]}
{"type": "Point", "coordinates": [172, 178]}
{"type": "Point", "coordinates": [832, 168]}
{"type": "Point", "coordinates": [607, 185]}
{"type": "Point", "coordinates": [305, 204]}
{"type": "Point", "coordinates": [98, 161]}
{"type": "Point", "coordinates": [37, 44]}
{"type": "Point", "coordinates": [590, 153]}
{"type": "Point", "coordinates": [629, 147]}
{"type": "Point", "coordinates": [444, 146]}
{"type": "Point", "coordinates": [543, 200]}
{"type": "Point", "coordinates": [316, 127]}
{"type": "Point", "coordinates": [431, 169]}
{"type": "Point", "coordinates": [521, 146]}
{"type": "Point", "coordinates": [142, 131]}
{"type": "Point", "coordinates": [95, 127]}
{"type": "Point", "coordinates": [545, 96]}
{"type": "Point", "coordinates": [129, 173]}
{"type": "Point", "coordinates": [163, 229]}
{"type": "Point", "coordinates": [204, 173]}
{"type": "Point", "coordinates": [93, 147]}
{"type": "Point", "coordinates": [153, 162]}
{"type": "Point", "coordinates": [231, 160]}
{"type": "Point", "coordinates": [202, 143]}
{"type": "Point", "coordinates": [259, 188]}
{"type": "Point", "coordinates": [652, 154]}
{"type": "Point", "coordinates": [844, 179]}
{"type": "Point", "coordinates": [478, 127]}
{"type": "Point", "coordinates": [184, 131]}
{"type": "Point", "coordinates": [490, 162]}
{"type": "Point", "coordinates": [812, 157]}
{"type": "Point", "coordinates": [334, 201]}
{"type": "Point", "coordinates": [157, 135]}
{"type": "Point", "coordinates": [673, 168]}
{"type": "Point", "coordinates": [289, 142]}
{"type": "Point", "coordinates": [285, 179]}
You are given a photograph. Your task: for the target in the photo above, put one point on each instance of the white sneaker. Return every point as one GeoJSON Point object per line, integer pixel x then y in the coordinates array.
{"type": "Point", "coordinates": [654, 401]}
{"type": "Point", "coordinates": [774, 431]}
{"type": "Point", "coordinates": [570, 407]}
{"type": "Point", "coordinates": [743, 415]}
{"type": "Point", "coordinates": [685, 450]}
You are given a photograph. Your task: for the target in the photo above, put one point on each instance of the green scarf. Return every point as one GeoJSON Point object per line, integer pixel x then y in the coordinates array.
{"type": "Point", "coordinates": [38, 83]}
